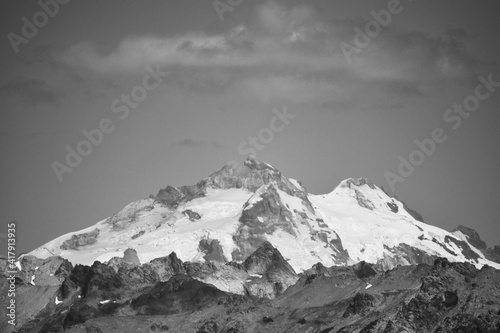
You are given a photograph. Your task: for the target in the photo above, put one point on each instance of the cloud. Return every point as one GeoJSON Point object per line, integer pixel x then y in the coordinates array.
{"type": "Point", "coordinates": [30, 90]}
{"type": "Point", "coordinates": [292, 53]}
{"type": "Point", "coordinates": [192, 143]}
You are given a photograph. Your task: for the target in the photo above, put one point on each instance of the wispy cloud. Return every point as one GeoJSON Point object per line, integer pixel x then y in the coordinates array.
{"type": "Point", "coordinates": [292, 53]}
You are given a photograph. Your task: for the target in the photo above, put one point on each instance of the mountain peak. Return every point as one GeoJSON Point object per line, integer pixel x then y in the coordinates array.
{"type": "Point", "coordinates": [251, 175]}
{"type": "Point", "coordinates": [267, 259]}
{"type": "Point", "coordinates": [472, 235]}
{"type": "Point", "coordinates": [255, 164]}
{"type": "Point", "coordinates": [371, 196]}
{"type": "Point", "coordinates": [349, 182]}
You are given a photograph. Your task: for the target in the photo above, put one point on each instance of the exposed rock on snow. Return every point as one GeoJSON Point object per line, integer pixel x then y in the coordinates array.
{"type": "Point", "coordinates": [77, 241]}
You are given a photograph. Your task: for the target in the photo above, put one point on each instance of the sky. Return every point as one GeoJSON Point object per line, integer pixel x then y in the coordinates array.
{"type": "Point", "coordinates": [105, 102]}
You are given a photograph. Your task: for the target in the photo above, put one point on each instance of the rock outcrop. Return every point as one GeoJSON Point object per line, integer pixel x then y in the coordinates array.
{"type": "Point", "coordinates": [77, 241]}
{"type": "Point", "coordinates": [442, 297]}
{"type": "Point", "coordinates": [475, 240]}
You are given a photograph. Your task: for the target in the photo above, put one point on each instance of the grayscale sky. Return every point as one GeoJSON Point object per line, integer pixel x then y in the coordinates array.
{"type": "Point", "coordinates": [227, 72]}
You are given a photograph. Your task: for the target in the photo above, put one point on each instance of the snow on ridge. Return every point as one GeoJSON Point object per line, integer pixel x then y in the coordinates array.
{"type": "Point", "coordinates": [364, 232]}
{"type": "Point", "coordinates": [296, 183]}
{"type": "Point", "coordinates": [220, 210]}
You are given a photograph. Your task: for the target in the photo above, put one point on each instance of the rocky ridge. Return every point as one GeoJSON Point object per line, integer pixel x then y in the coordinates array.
{"type": "Point", "coordinates": [170, 295]}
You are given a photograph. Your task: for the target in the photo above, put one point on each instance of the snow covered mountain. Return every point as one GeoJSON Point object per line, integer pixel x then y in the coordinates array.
{"type": "Point", "coordinates": [229, 214]}
{"type": "Point", "coordinates": [247, 249]}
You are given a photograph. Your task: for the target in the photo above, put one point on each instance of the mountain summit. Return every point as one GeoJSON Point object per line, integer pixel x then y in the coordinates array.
{"type": "Point", "coordinates": [228, 215]}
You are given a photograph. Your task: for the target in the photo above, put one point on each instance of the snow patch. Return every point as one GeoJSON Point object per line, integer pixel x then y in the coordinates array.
{"type": "Point", "coordinates": [104, 302]}
{"type": "Point", "coordinates": [295, 183]}
{"type": "Point", "coordinates": [58, 301]}
{"type": "Point", "coordinates": [32, 280]}
{"type": "Point", "coordinates": [368, 286]}
{"type": "Point", "coordinates": [18, 265]}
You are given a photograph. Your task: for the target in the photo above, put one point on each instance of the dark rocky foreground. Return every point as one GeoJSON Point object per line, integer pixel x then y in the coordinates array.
{"type": "Point", "coordinates": [168, 295]}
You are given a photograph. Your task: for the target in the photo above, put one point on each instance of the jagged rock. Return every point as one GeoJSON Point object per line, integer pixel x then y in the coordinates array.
{"type": "Point", "coordinates": [92, 329]}
{"type": "Point", "coordinates": [260, 218]}
{"type": "Point", "coordinates": [159, 327]}
{"type": "Point", "coordinates": [423, 298]}
{"type": "Point", "coordinates": [475, 240]}
{"type": "Point", "coordinates": [404, 254]}
{"type": "Point", "coordinates": [179, 294]}
{"type": "Point", "coordinates": [472, 235]}
{"type": "Point", "coordinates": [130, 214]}
{"type": "Point", "coordinates": [209, 327]}
{"type": "Point", "coordinates": [44, 272]}
{"type": "Point", "coordinates": [193, 216]}
{"type": "Point", "coordinates": [364, 270]}
{"type": "Point", "coordinates": [212, 249]}
{"type": "Point", "coordinates": [100, 281]}
{"type": "Point", "coordinates": [166, 267]}
{"type": "Point", "coordinates": [130, 257]}
{"type": "Point", "coordinates": [116, 263]}
{"type": "Point", "coordinates": [253, 175]}
{"type": "Point", "coordinates": [360, 304]}
{"type": "Point", "coordinates": [450, 298]}
{"type": "Point", "coordinates": [268, 262]}
{"type": "Point", "coordinates": [77, 241]}
{"type": "Point", "coordinates": [79, 313]}
{"type": "Point", "coordinates": [417, 216]}
{"type": "Point", "coordinates": [393, 207]}
{"type": "Point", "coordinates": [172, 196]}
{"type": "Point", "coordinates": [138, 274]}
{"type": "Point", "coordinates": [224, 276]}
{"type": "Point", "coordinates": [466, 250]}
{"type": "Point", "coordinates": [129, 260]}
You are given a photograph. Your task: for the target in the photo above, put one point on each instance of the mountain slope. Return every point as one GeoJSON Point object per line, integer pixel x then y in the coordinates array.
{"type": "Point", "coordinates": [229, 214]}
